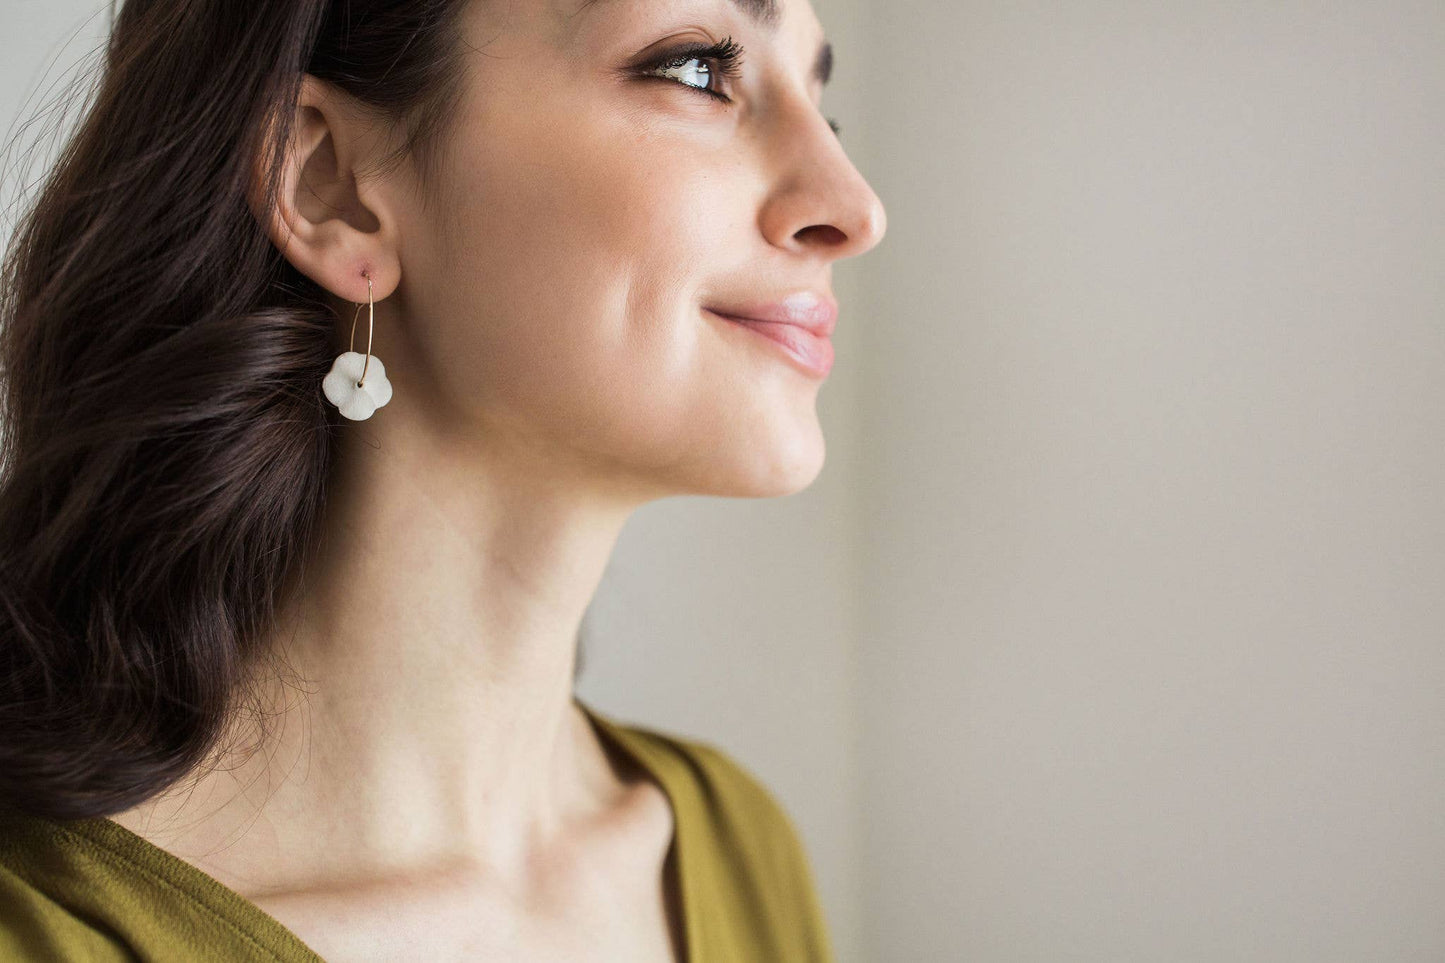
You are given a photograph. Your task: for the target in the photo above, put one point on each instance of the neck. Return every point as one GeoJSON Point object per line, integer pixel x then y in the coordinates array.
{"type": "Point", "coordinates": [427, 716]}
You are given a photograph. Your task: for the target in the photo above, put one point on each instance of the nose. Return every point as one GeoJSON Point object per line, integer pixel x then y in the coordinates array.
{"type": "Point", "coordinates": [819, 202]}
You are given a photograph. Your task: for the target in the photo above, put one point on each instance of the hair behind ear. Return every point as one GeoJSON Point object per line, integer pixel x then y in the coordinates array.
{"type": "Point", "coordinates": [164, 438]}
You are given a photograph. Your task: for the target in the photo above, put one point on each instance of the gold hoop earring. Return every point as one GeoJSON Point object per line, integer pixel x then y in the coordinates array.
{"type": "Point", "coordinates": [354, 385]}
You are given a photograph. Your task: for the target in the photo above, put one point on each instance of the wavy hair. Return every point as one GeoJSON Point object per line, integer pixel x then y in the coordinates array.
{"type": "Point", "coordinates": [164, 442]}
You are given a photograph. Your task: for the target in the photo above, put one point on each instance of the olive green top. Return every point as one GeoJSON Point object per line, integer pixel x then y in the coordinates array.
{"type": "Point", "coordinates": [93, 890]}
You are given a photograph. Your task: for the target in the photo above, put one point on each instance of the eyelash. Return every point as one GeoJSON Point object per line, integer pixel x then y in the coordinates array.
{"type": "Point", "coordinates": [728, 55]}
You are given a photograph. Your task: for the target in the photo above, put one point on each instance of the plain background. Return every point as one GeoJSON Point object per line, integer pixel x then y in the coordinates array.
{"type": "Point", "coordinates": [1112, 629]}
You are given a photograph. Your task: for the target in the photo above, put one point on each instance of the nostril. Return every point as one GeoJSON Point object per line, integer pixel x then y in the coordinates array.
{"type": "Point", "coordinates": [828, 234]}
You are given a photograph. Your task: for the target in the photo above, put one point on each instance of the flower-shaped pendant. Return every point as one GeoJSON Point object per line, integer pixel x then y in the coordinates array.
{"type": "Point", "coordinates": [356, 401]}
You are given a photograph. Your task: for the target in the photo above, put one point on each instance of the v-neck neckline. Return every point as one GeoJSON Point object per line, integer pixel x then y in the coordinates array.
{"type": "Point", "coordinates": [660, 768]}
{"type": "Point", "coordinates": [274, 937]}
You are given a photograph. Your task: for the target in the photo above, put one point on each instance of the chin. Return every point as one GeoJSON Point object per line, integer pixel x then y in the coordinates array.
{"type": "Point", "coordinates": [772, 473]}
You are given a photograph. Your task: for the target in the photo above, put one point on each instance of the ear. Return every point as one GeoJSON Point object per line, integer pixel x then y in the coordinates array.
{"type": "Point", "coordinates": [336, 229]}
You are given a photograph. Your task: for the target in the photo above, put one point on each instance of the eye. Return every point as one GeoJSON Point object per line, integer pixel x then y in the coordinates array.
{"type": "Point", "coordinates": [714, 61]}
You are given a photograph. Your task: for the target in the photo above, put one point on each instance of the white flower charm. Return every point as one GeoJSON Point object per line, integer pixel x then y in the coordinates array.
{"type": "Point", "coordinates": [356, 401]}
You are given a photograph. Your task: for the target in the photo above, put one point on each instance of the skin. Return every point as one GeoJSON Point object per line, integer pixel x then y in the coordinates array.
{"type": "Point", "coordinates": [552, 371]}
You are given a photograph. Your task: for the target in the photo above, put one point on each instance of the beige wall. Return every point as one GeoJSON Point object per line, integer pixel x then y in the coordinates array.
{"type": "Point", "coordinates": [1112, 629]}
{"type": "Point", "coordinates": [1154, 430]}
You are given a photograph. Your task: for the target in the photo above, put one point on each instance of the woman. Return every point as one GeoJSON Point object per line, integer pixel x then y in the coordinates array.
{"type": "Point", "coordinates": [289, 633]}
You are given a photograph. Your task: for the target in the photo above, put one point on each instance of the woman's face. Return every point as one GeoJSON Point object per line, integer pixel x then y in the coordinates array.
{"type": "Point", "coordinates": [557, 301]}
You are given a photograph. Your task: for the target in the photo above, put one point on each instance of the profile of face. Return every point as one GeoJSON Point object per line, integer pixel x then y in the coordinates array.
{"type": "Point", "coordinates": [612, 194]}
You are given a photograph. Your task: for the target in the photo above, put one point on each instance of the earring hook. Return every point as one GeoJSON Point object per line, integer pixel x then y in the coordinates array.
{"type": "Point", "coordinates": [370, 327]}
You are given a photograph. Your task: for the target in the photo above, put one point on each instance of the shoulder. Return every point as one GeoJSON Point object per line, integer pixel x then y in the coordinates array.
{"type": "Point", "coordinates": [90, 889]}
{"type": "Point", "coordinates": [45, 896]}
{"type": "Point", "coordinates": [750, 817]}
{"type": "Point", "coordinates": [742, 845]}
{"type": "Point", "coordinates": [731, 791]}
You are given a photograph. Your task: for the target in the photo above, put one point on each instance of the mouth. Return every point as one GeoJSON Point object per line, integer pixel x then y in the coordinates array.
{"type": "Point", "coordinates": [812, 353]}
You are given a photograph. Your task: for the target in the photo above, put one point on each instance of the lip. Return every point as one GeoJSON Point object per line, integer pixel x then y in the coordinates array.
{"type": "Point", "coordinates": [811, 352]}
{"type": "Point", "coordinates": [814, 311]}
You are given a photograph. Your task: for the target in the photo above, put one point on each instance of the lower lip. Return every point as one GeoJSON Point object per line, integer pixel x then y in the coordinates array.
{"type": "Point", "coordinates": [812, 353]}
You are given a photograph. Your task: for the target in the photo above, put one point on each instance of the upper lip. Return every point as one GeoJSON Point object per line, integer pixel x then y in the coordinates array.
{"type": "Point", "coordinates": [814, 311]}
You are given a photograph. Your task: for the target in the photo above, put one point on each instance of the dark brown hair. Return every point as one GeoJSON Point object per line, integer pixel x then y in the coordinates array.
{"type": "Point", "coordinates": [165, 443]}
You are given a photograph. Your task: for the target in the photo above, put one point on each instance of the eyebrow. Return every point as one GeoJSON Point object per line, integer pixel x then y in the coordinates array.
{"type": "Point", "coordinates": [766, 14]}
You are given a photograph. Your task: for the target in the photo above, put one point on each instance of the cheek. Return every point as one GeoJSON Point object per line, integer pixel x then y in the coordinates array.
{"type": "Point", "coordinates": [568, 279]}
